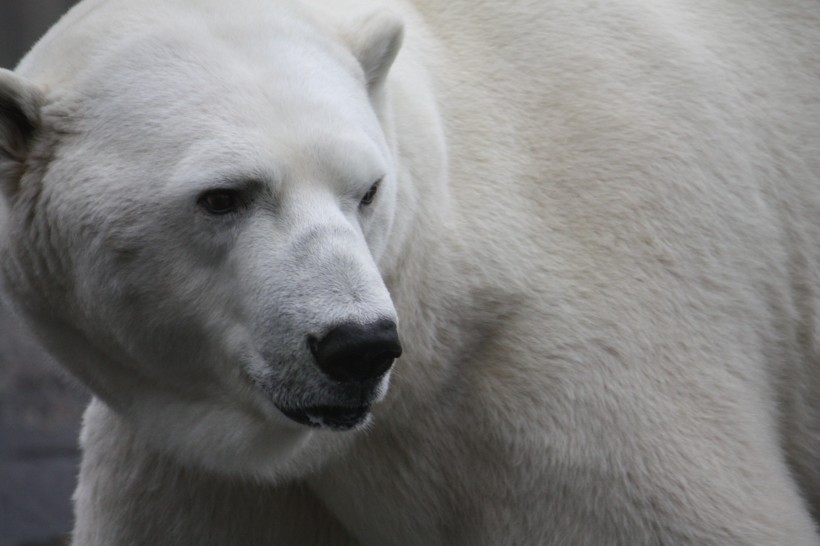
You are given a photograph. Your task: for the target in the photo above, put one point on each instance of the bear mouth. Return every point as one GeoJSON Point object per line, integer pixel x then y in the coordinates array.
{"type": "Point", "coordinates": [330, 417]}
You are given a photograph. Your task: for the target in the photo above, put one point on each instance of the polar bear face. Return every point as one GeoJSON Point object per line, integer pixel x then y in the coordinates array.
{"type": "Point", "coordinates": [194, 227]}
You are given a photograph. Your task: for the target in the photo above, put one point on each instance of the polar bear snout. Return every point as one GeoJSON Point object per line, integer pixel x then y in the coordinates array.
{"type": "Point", "coordinates": [357, 352]}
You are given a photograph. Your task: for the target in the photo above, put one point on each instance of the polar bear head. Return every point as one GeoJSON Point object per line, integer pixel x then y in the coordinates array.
{"type": "Point", "coordinates": [196, 206]}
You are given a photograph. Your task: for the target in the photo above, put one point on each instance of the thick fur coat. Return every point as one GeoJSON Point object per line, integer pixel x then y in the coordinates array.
{"type": "Point", "coordinates": [596, 225]}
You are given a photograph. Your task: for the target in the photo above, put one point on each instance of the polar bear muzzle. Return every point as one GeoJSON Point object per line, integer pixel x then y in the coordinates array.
{"type": "Point", "coordinates": [357, 357]}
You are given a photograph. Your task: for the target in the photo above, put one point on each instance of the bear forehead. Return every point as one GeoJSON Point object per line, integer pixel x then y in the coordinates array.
{"type": "Point", "coordinates": [185, 96]}
{"type": "Point", "coordinates": [202, 82]}
{"type": "Point", "coordinates": [178, 54]}
{"type": "Point", "coordinates": [83, 36]}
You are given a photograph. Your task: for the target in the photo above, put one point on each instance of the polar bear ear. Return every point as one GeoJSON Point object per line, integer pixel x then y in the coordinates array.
{"type": "Point", "coordinates": [375, 40]}
{"type": "Point", "coordinates": [20, 102]}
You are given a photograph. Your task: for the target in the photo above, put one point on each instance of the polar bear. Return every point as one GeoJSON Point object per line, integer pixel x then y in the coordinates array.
{"type": "Point", "coordinates": [380, 272]}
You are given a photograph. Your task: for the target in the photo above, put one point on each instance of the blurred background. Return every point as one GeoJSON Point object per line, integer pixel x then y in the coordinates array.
{"type": "Point", "coordinates": [22, 22]}
{"type": "Point", "coordinates": [40, 407]}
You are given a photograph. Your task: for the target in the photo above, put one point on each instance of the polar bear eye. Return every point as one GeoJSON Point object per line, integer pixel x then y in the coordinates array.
{"type": "Point", "coordinates": [220, 201]}
{"type": "Point", "coordinates": [371, 194]}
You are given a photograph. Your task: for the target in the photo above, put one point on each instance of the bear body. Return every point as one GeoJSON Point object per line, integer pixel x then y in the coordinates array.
{"type": "Point", "coordinates": [595, 224]}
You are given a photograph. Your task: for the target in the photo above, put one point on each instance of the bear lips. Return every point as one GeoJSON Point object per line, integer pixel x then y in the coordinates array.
{"type": "Point", "coordinates": [331, 417]}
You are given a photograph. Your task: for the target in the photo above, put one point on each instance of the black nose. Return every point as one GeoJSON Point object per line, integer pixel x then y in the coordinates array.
{"type": "Point", "coordinates": [357, 352]}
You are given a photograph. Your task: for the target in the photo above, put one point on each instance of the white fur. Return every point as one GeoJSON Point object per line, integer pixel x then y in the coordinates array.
{"type": "Point", "coordinates": [597, 226]}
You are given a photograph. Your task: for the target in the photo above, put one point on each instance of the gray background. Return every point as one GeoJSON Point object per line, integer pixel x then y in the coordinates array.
{"type": "Point", "coordinates": [40, 407]}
